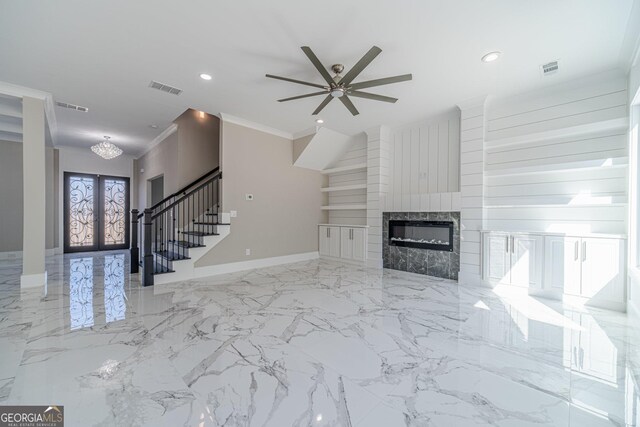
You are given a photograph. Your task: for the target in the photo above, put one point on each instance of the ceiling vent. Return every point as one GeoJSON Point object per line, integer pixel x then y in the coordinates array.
{"type": "Point", "coordinates": [549, 68]}
{"type": "Point", "coordinates": [72, 107]}
{"type": "Point", "coordinates": [165, 88]}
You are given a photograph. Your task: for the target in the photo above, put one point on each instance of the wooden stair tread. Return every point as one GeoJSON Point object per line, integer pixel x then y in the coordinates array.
{"type": "Point", "coordinates": [199, 233]}
{"type": "Point", "coordinates": [172, 256]}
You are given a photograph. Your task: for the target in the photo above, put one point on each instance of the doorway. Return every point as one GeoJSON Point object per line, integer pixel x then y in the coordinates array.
{"type": "Point", "coordinates": [96, 212]}
{"type": "Point", "coordinates": [157, 190]}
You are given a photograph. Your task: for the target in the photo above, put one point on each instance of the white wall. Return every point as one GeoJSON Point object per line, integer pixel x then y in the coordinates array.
{"type": "Point", "coordinates": [556, 160]}
{"type": "Point", "coordinates": [83, 160]}
{"type": "Point", "coordinates": [425, 165]}
{"type": "Point", "coordinates": [356, 154]}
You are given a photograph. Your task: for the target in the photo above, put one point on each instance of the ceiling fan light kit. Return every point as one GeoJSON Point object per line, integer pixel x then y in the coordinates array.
{"type": "Point", "coordinates": [341, 87]}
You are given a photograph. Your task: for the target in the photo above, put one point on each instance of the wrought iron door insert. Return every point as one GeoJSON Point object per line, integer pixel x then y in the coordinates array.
{"type": "Point", "coordinates": [96, 212]}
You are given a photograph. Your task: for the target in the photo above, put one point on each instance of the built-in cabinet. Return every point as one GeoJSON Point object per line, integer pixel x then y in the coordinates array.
{"type": "Point", "coordinates": [343, 241]}
{"type": "Point", "coordinates": [589, 267]}
{"type": "Point", "coordinates": [513, 259]}
{"type": "Point", "coordinates": [329, 240]}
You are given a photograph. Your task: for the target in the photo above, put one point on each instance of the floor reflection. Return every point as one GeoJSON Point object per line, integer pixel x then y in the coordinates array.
{"type": "Point", "coordinates": [82, 276]}
{"type": "Point", "coordinates": [114, 295]}
{"type": "Point", "coordinates": [81, 292]}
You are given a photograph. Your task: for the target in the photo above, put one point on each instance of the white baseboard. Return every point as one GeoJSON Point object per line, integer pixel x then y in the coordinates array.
{"type": "Point", "coordinates": [18, 254]}
{"type": "Point", "coordinates": [214, 270]}
{"type": "Point", "coordinates": [465, 278]}
{"type": "Point", "coordinates": [33, 280]}
{"type": "Point", "coordinates": [346, 261]}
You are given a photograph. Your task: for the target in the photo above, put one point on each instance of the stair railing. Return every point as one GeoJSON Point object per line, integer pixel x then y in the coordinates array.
{"type": "Point", "coordinates": [171, 226]}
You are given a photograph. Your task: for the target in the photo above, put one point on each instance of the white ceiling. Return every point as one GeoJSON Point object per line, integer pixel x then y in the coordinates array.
{"type": "Point", "coordinates": [102, 54]}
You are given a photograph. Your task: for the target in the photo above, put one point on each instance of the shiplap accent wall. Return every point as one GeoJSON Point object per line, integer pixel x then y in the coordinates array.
{"type": "Point", "coordinates": [425, 166]}
{"type": "Point", "coordinates": [556, 160]}
{"type": "Point", "coordinates": [378, 168]}
{"type": "Point", "coordinates": [356, 154]}
{"type": "Point", "coordinates": [472, 135]}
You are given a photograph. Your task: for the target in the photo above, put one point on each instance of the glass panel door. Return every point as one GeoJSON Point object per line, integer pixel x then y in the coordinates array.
{"type": "Point", "coordinates": [96, 212]}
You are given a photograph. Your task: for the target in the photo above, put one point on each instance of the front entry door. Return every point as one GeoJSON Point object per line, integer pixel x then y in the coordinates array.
{"type": "Point", "coordinates": [96, 212]}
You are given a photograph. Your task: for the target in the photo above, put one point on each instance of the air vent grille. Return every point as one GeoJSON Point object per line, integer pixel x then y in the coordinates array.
{"type": "Point", "coordinates": [72, 107]}
{"type": "Point", "coordinates": [550, 68]}
{"type": "Point", "coordinates": [165, 88]}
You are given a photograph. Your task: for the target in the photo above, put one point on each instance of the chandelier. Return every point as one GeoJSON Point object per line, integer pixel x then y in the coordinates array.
{"type": "Point", "coordinates": [106, 149]}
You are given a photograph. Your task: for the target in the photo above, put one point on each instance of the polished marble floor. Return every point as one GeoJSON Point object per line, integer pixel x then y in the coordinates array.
{"type": "Point", "coordinates": [308, 344]}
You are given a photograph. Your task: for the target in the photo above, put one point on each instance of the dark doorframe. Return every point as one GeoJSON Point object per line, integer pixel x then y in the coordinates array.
{"type": "Point", "coordinates": [96, 212]}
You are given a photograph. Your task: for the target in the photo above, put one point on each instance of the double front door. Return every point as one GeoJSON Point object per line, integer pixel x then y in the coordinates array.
{"type": "Point", "coordinates": [96, 212]}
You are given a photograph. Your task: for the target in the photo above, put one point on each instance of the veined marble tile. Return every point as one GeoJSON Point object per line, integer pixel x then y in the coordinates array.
{"type": "Point", "coordinates": [315, 343]}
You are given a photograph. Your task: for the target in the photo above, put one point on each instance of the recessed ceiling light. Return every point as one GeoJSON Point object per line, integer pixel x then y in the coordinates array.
{"type": "Point", "coordinates": [204, 76]}
{"type": "Point", "coordinates": [153, 126]}
{"type": "Point", "coordinates": [319, 121]}
{"type": "Point", "coordinates": [491, 56]}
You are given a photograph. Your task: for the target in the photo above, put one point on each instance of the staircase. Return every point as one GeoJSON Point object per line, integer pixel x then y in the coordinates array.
{"type": "Point", "coordinates": [177, 231]}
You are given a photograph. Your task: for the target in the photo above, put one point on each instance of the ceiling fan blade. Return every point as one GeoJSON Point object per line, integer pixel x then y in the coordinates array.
{"type": "Point", "coordinates": [372, 96]}
{"type": "Point", "coordinates": [322, 105]}
{"type": "Point", "coordinates": [380, 82]}
{"type": "Point", "coordinates": [361, 65]}
{"type": "Point", "coordinates": [316, 62]}
{"type": "Point", "coordinates": [324, 92]}
{"type": "Point", "coordinates": [347, 103]}
{"type": "Point", "coordinates": [300, 82]}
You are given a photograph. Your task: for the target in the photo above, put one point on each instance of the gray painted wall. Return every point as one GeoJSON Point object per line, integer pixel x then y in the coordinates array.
{"type": "Point", "coordinates": [11, 207]}
{"type": "Point", "coordinates": [185, 155]}
{"type": "Point", "coordinates": [283, 218]}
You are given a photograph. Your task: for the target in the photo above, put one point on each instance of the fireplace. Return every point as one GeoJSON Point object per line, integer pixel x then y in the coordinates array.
{"type": "Point", "coordinates": [422, 242]}
{"type": "Point", "coordinates": [435, 235]}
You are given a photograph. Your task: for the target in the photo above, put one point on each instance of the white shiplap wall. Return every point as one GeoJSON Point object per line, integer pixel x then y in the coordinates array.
{"type": "Point", "coordinates": [557, 160]}
{"type": "Point", "coordinates": [472, 126]}
{"type": "Point", "coordinates": [425, 166]}
{"type": "Point", "coordinates": [356, 154]}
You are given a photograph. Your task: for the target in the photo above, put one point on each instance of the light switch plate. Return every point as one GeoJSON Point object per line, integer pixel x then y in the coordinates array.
{"type": "Point", "coordinates": [247, 251]}
{"type": "Point", "coordinates": [233, 214]}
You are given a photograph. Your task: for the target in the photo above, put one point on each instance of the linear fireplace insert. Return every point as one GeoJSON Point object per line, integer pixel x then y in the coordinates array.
{"type": "Point", "coordinates": [437, 235]}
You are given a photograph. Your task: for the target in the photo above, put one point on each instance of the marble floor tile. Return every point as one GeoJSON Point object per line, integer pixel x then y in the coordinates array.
{"type": "Point", "coordinates": [316, 343]}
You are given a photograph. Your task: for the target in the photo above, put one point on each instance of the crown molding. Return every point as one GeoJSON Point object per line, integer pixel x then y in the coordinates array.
{"type": "Point", "coordinates": [158, 139]}
{"type": "Point", "coordinates": [472, 102]}
{"type": "Point", "coordinates": [17, 91]}
{"type": "Point", "coordinates": [306, 132]}
{"type": "Point", "coordinates": [257, 126]}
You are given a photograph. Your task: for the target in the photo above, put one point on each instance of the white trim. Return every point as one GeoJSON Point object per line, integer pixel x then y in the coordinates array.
{"type": "Point", "coordinates": [158, 139]}
{"type": "Point", "coordinates": [33, 280]}
{"type": "Point", "coordinates": [214, 270]}
{"type": "Point", "coordinates": [473, 102]}
{"type": "Point", "coordinates": [253, 125]}
{"type": "Point", "coordinates": [49, 106]}
{"type": "Point", "coordinates": [22, 91]}
{"type": "Point", "coordinates": [306, 132]}
{"type": "Point", "coordinates": [18, 254]}
{"type": "Point", "coordinates": [471, 279]}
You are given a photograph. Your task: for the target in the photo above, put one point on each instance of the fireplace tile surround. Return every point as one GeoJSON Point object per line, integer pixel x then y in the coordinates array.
{"type": "Point", "coordinates": [430, 262]}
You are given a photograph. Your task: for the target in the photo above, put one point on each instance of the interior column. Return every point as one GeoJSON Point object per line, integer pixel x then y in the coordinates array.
{"type": "Point", "coordinates": [33, 163]}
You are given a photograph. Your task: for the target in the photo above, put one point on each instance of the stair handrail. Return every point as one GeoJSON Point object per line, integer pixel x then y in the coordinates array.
{"type": "Point", "coordinates": [184, 196]}
{"type": "Point", "coordinates": [186, 187]}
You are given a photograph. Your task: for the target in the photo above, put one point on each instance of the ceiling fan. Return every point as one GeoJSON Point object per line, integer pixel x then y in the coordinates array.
{"type": "Point", "coordinates": [341, 87]}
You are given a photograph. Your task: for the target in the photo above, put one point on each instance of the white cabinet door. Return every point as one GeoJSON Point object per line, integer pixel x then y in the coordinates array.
{"type": "Point", "coordinates": [359, 243]}
{"type": "Point", "coordinates": [496, 258]}
{"type": "Point", "coordinates": [323, 240]}
{"type": "Point", "coordinates": [562, 264]}
{"type": "Point", "coordinates": [334, 241]}
{"type": "Point", "coordinates": [526, 263]}
{"type": "Point", "coordinates": [603, 269]}
{"type": "Point", "coordinates": [346, 244]}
